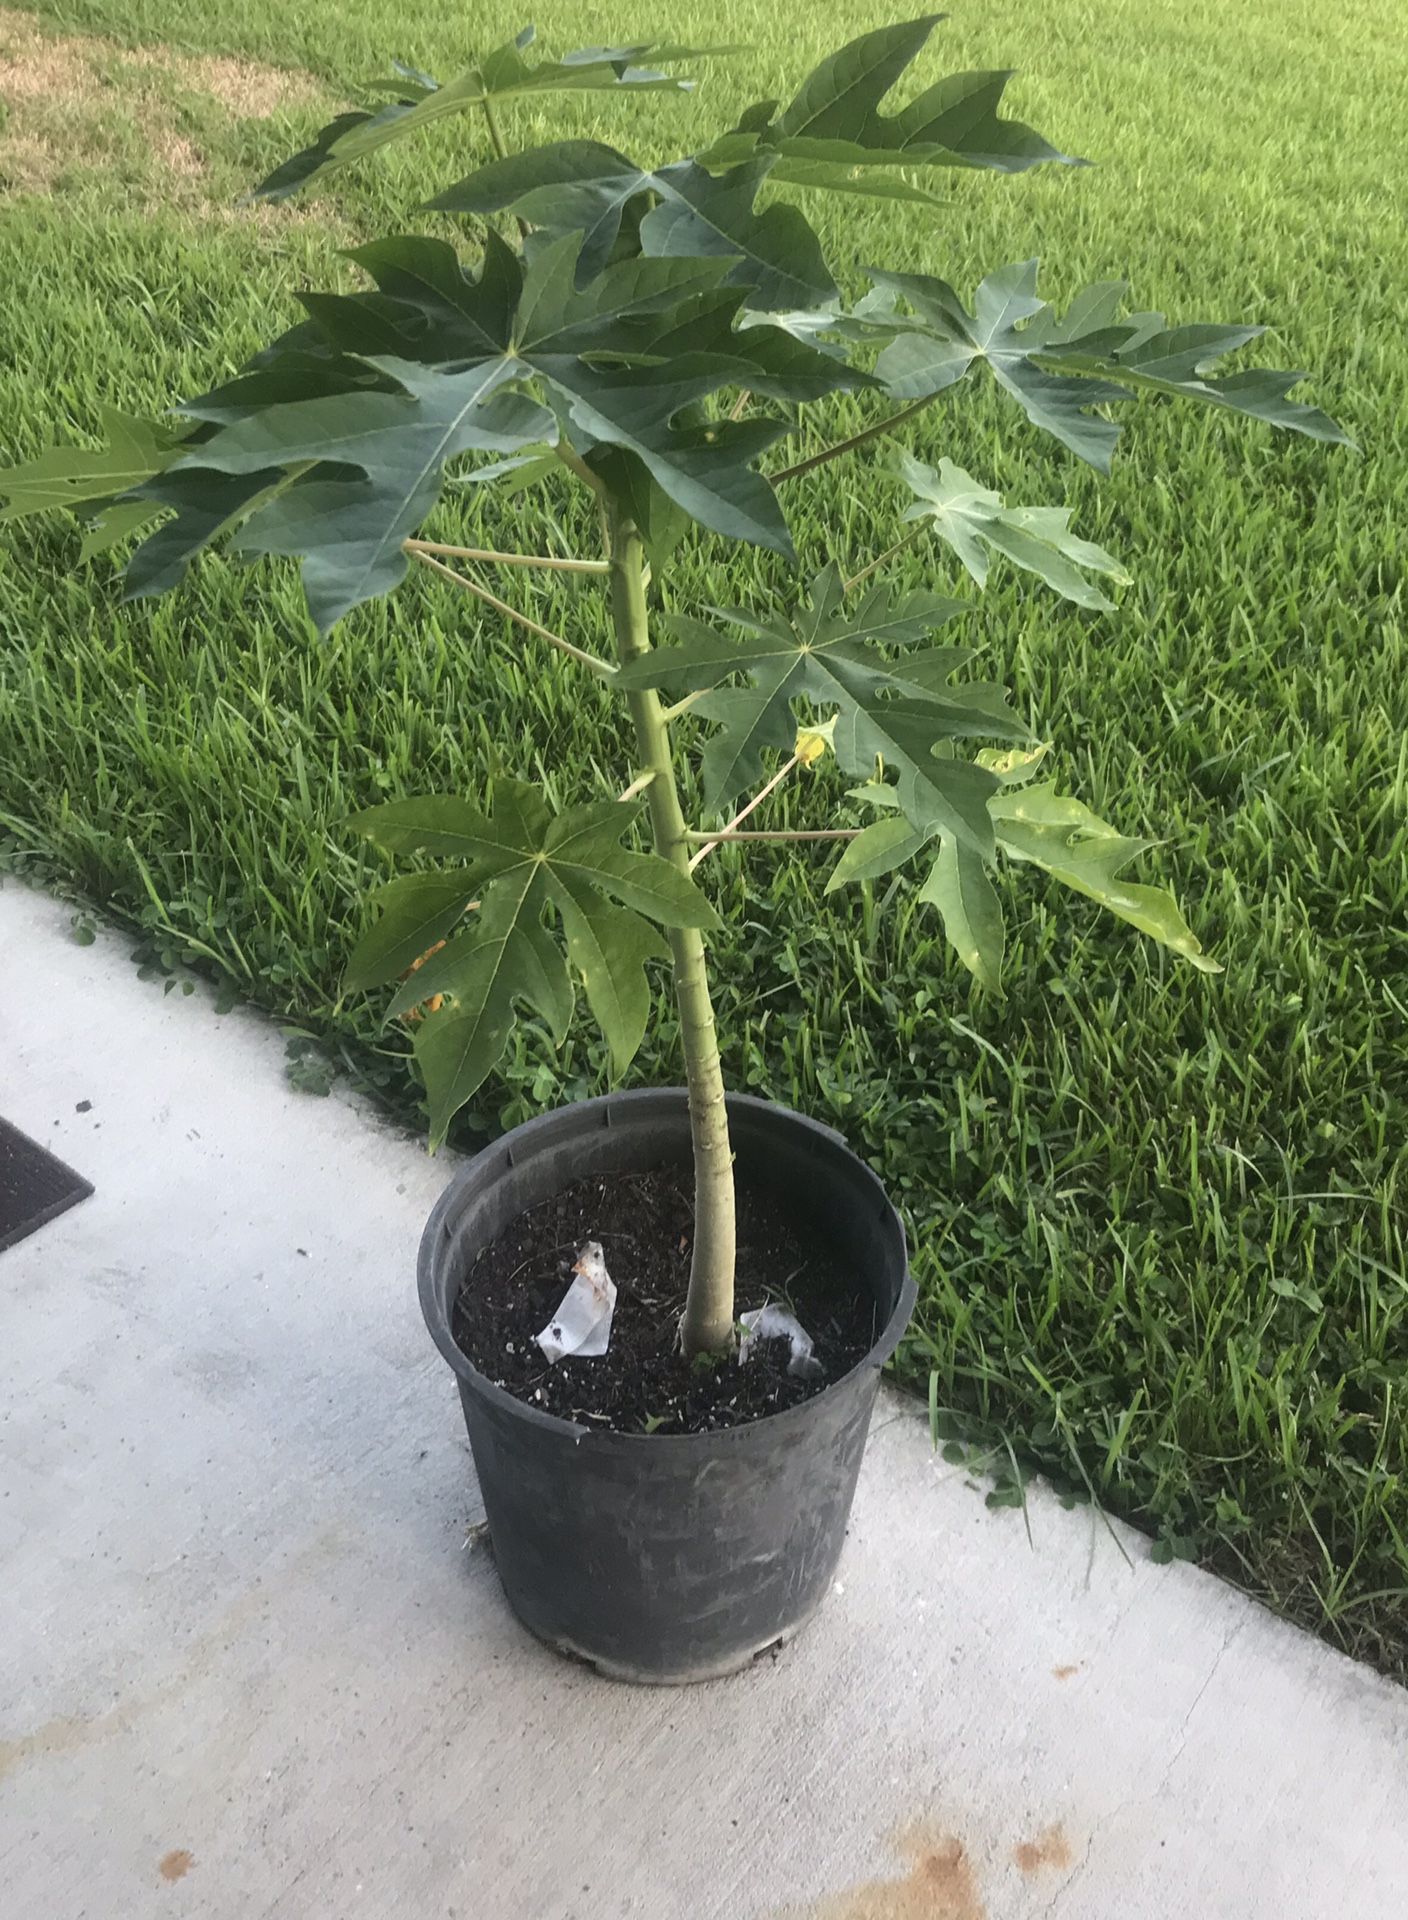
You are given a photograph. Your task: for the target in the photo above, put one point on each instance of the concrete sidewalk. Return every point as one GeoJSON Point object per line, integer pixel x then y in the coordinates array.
{"type": "Point", "coordinates": [251, 1668]}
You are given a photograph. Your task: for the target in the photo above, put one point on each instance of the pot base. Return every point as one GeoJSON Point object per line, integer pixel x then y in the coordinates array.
{"type": "Point", "coordinates": [639, 1676]}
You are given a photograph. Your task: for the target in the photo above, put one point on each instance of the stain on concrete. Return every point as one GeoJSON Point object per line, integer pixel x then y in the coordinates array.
{"type": "Point", "coordinates": [176, 1864]}
{"type": "Point", "coordinates": [1067, 1673]}
{"type": "Point", "coordinates": [940, 1885]}
{"type": "Point", "coordinates": [1049, 1850]}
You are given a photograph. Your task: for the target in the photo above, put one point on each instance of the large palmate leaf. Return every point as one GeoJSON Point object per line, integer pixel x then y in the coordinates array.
{"type": "Point", "coordinates": [834, 137]}
{"type": "Point", "coordinates": [1058, 369]}
{"type": "Point", "coordinates": [418, 101]}
{"type": "Point", "coordinates": [904, 712]}
{"type": "Point", "coordinates": [975, 523]}
{"type": "Point", "coordinates": [583, 186]}
{"type": "Point", "coordinates": [388, 452]}
{"type": "Point", "coordinates": [535, 324]}
{"type": "Point", "coordinates": [333, 444]}
{"type": "Point", "coordinates": [519, 859]}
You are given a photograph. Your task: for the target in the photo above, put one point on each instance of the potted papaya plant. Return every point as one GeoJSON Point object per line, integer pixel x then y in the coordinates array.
{"type": "Point", "coordinates": [667, 1309]}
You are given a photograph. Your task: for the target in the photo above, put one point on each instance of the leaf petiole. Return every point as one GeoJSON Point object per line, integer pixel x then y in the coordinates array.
{"type": "Point", "coordinates": [601, 667]}
{"type": "Point", "coordinates": [834, 452]}
{"type": "Point", "coordinates": [491, 556]}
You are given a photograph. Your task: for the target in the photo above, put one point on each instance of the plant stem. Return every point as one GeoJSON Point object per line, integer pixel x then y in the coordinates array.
{"type": "Point", "coordinates": [743, 812]}
{"type": "Point", "coordinates": [707, 1326]}
{"type": "Point", "coordinates": [693, 834]}
{"type": "Point", "coordinates": [638, 785]}
{"type": "Point", "coordinates": [574, 463]}
{"type": "Point", "coordinates": [872, 432]}
{"type": "Point", "coordinates": [490, 556]}
{"type": "Point", "coordinates": [500, 146]}
{"type": "Point", "coordinates": [601, 667]}
{"type": "Point", "coordinates": [888, 554]}
{"type": "Point", "coordinates": [491, 120]}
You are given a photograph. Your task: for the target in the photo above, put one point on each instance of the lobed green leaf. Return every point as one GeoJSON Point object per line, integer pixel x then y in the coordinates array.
{"type": "Point", "coordinates": [975, 523]}
{"type": "Point", "coordinates": [520, 859]}
{"type": "Point", "coordinates": [76, 478]}
{"type": "Point", "coordinates": [418, 101]}
{"type": "Point", "coordinates": [414, 912]}
{"type": "Point", "coordinates": [1058, 369]}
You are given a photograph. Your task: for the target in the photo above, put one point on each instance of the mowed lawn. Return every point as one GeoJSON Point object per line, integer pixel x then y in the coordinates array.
{"type": "Point", "coordinates": [1158, 1219]}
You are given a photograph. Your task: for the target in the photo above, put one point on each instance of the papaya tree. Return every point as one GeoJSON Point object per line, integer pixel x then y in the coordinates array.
{"type": "Point", "coordinates": [664, 331]}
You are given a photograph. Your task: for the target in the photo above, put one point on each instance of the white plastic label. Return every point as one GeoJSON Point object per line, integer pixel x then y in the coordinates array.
{"type": "Point", "coordinates": [581, 1327]}
{"type": "Point", "coordinates": [776, 1323]}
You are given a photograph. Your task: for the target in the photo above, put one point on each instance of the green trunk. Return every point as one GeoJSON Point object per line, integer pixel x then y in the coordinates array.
{"type": "Point", "coordinates": [708, 1317]}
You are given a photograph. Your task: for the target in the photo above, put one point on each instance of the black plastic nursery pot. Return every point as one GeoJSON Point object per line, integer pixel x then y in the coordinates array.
{"type": "Point", "coordinates": [667, 1557]}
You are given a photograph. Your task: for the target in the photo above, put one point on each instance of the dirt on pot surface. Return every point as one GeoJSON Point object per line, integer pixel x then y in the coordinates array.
{"type": "Point", "coordinates": [642, 1384]}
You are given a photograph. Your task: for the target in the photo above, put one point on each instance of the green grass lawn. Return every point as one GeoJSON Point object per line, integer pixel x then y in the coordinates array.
{"type": "Point", "coordinates": [1159, 1219]}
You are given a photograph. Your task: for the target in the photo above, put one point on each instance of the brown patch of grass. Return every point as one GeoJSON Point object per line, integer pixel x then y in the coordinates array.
{"type": "Point", "coordinates": [35, 67]}
{"type": "Point", "coordinates": [177, 154]}
{"type": "Point", "coordinates": [249, 90]}
{"type": "Point", "coordinates": [81, 101]}
{"type": "Point", "coordinates": [26, 165]}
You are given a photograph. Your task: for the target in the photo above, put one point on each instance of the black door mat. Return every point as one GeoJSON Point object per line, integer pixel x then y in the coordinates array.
{"type": "Point", "coordinates": [34, 1186]}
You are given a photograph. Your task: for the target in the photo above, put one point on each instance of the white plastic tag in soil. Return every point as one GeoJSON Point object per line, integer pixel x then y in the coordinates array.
{"type": "Point", "coordinates": [581, 1327]}
{"type": "Point", "coordinates": [776, 1323]}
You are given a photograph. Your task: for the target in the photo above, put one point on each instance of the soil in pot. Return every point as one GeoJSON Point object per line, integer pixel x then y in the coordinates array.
{"type": "Point", "coordinates": [645, 1223]}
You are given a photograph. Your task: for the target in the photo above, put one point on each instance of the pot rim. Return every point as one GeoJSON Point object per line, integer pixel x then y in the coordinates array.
{"type": "Point", "coordinates": [439, 1325]}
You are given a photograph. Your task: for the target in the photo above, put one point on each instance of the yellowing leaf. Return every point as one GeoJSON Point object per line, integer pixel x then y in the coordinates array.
{"type": "Point", "coordinates": [1077, 847]}
{"type": "Point", "coordinates": [1012, 764]}
{"type": "Point", "coordinates": [815, 741]}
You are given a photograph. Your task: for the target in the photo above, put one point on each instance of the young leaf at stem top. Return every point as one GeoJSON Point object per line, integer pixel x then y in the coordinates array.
{"type": "Point", "coordinates": [418, 101]}
{"type": "Point", "coordinates": [834, 137]}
